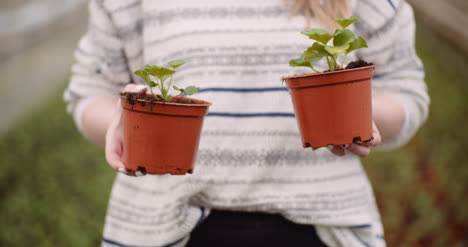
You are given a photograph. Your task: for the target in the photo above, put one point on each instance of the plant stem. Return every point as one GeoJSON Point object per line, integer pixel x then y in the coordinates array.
{"type": "Point", "coordinates": [335, 64]}
{"type": "Point", "coordinates": [329, 63]}
{"type": "Point", "coordinates": [343, 61]}
{"type": "Point", "coordinates": [163, 90]}
{"type": "Point", "coordinates": [160, 84]}
{"type": "Point", "coordinates": [170, 83]}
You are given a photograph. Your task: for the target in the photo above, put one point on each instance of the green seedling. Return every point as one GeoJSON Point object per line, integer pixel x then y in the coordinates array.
{"type": "Point", "coordinates": [163, 80]}
{"type": "Point", "coordinates": [344, 41]}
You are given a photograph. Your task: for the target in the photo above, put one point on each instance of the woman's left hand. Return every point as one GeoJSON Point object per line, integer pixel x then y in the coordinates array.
{"type": "Point", "coordinates": [359, 149]}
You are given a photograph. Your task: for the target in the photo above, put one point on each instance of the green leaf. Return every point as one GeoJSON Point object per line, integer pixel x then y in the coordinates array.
{"type": "Point", "coordinates": [144, 75]}
{"type": "Point", "coordinates": [191, 90]}
{"type": "Point", "coordinates": [298, 62]}
{"type": "Point", "coordinates": [336, 49]}
{"type": "Point", "coordinates": [314, 31]}
{"type": "Point", "coordinates": [316, 50]}
{"type": "Point", "coordinates": [158, 72]}
{"type": "Point", "coordinates": [319, 35]}
{"type": "Point", "coordinates": [301, 62]}
{"type": "Point", "coordinates": [343, 37]}
{"type": "Point", "coordinates": [176, 88]}
{"type": "Point", "coordinates": [346, 22]}
{"type": "Point", "coordinates": [357, 44]}
{"type": "Point", "coordinates": [152, 84]}
{"type": "Point", "coordinates": [176, 63]}
{"type": "Point", "coordinates": [166, 77]}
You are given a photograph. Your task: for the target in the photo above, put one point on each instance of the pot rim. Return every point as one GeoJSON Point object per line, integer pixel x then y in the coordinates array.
{"type": "Point", "coordinates": [167, 108]}
{"type": "Point", "coordinates": [326, 73]}
{"type": "Point", "coordinates": [201, 103]}
{"type": "Point", "coordinates": [338, 77]}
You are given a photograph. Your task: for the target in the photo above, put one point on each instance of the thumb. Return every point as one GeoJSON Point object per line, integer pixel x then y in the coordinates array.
{"type": "Point", "coordinates": [133, 88]}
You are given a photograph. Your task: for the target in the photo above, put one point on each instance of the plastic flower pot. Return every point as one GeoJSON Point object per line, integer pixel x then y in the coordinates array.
{"type": "Point", "coordinates": [333, 107]}
{"type": "Point", "coordinates": [162, 137]}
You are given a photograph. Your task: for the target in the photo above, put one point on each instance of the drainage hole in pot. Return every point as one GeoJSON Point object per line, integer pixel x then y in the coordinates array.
{"type": "Point", "coordinates": [142, 169]}
{"type": "Point", "coordinates": [372, 138]}
{"type": "Point", "coordinates": [357, 140]}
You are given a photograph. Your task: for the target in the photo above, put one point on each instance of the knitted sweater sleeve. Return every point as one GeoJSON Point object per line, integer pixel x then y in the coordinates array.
{"type": "Point", "coordinates": [389, 27]}
{"type": "Point", "coordinates": [100, 68]}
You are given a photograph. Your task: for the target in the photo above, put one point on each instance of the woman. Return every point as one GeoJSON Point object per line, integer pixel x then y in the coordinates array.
{"type": "Point", "coordinates": [248, 161]}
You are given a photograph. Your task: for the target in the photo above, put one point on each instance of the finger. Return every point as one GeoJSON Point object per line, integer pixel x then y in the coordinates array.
{"type": "Point", "coordinates": [360, 150]}
{"type": "Point", "coordinates": [123, 171]}
{"type": "Point", "coordinates": [113, 156]}
{"type": "Point", "coordinates": [113, 148]}
{"type": "Point", "coordinates": [377, 139]}
{"type": "Point", "coordinates": [129, 88]}
{"type": "Point", "coordinates": [133, 88]}
{"type": "Point", "coordinates": [132, 173]}
{"type": "Point", "coordinates": [113, 152]}
{"type": "Point", "coordinates": [139, 173]}
{"type": "Point", "coordinates": [337, 150]}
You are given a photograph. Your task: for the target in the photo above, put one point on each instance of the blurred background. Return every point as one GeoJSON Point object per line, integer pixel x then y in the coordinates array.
{"type": "Point", "coordinates": [54, 185]}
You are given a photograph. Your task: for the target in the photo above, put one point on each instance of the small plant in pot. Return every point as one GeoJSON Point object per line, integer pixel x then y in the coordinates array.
{"type": "Point", "coordinates": [332, 107]}
{"type": "Point", "coordinates": [162, 131]}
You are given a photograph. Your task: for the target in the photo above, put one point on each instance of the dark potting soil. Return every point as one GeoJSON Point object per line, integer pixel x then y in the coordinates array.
{"type": "Point", "coordinates": [358, 64]}
{"type": "Point", "coordinates": [354, 64]}
{"type": "Point", "coordinates": [133, 97]}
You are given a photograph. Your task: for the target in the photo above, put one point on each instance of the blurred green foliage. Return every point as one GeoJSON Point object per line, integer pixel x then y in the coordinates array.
{"type": "Point", "coordinates": [54, 185]}
{"type": "Point", "coordinates": [422, 189]}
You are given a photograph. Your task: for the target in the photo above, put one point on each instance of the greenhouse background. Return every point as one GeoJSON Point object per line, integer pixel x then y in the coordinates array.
{"type": "Point", "coordinates": [54, 186]}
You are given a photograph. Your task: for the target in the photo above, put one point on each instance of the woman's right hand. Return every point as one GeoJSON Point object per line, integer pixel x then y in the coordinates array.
{"type": "Point", "coordinates": [114, 136]}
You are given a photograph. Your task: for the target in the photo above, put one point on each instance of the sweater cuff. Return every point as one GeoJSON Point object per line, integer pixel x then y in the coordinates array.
{"type": "Point", "coordinates": [404, 135]}
{"type": "Point", "coordinates": [78, 113]}
{"type": "Point", "coordinates": [406, 123]}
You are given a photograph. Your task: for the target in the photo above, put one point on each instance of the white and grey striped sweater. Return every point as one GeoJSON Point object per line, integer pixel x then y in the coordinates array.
{"type": "Point", "coordinates": [250, 156]}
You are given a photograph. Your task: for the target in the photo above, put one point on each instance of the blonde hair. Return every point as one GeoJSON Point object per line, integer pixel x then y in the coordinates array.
{"type": "Point", "coordinates": [325, 11]}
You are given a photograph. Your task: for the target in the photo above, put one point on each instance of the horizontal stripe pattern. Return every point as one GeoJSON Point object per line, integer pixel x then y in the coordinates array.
{"type": "Point", "coordinates": [261, 158]}
{"type": "Point", "coordinates": [250, 155]}
{"type": "Point", "coordinates": [243, 90]}
{"type": "Point", "coordinates": [115, 243]}
{"type": "Point", "coordinates": [221, 31]}
{"type": "Point", "coordinates": [250, 115]}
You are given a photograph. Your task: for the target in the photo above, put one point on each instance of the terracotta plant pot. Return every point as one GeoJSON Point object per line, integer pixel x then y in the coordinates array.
{"type": "Point", "coordinates": [162, 137]}
{"type": "Point", "coordinates": [333, 107]}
